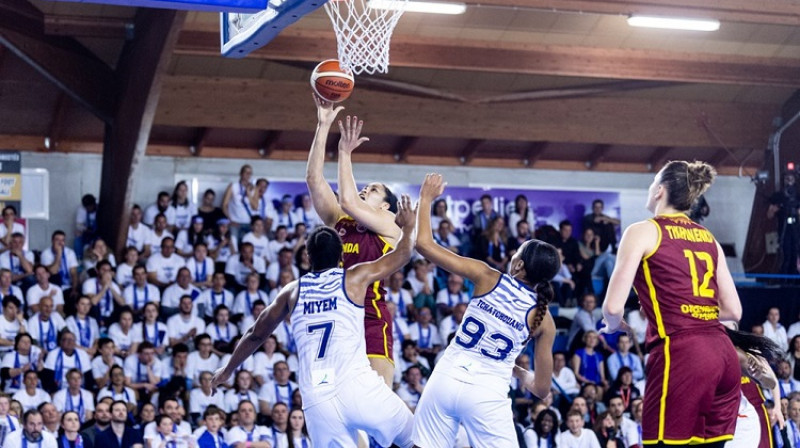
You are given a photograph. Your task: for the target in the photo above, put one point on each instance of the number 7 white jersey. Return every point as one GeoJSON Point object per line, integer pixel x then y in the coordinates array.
{"type": "Point", "coordinates": [329, 331]}
{"type": "Point", "coordinates": [493, 332]}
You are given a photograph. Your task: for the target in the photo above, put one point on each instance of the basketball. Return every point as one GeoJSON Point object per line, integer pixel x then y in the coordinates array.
{"type": "Point", "coordinates": [330, 82]}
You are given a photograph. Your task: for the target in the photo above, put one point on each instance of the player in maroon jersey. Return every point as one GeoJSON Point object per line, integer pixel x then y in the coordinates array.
{"type": "Point", "coordinates": [685, 288]}
{"type": "Point", "coordinates": [364, 220]}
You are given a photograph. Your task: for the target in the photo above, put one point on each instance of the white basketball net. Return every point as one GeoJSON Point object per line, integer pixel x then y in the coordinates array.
{"type": "Point", "coordinates": [363, 34]}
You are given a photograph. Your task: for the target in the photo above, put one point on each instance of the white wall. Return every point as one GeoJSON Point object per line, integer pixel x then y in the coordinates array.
{"type": "Point", "coordinates": [74, 175]}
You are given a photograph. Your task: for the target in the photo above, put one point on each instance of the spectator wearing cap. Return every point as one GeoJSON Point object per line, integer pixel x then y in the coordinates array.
{"type": "Point", "coordinates": [285, 214]}
{"type": "Point", "coordinates": [190, 237]}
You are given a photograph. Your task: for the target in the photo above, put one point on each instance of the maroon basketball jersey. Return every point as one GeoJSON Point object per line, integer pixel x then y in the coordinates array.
{"type": "Point", "coordinates": [362, 245]}
{"type": "Point", "coordinates": [677, 283]}
{"type": "Point", "coordinates": [752, 392]}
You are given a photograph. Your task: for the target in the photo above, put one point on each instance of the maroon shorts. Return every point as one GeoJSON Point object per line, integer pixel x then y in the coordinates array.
{"type": "Point", "coordinates": [693, 390]}
{"type": "Point", "coordinates": [378, 331]}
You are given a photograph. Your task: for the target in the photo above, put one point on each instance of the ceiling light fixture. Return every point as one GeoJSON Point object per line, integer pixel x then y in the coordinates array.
{"type": "Point", "coordinates": [674, 23]}
{"type": "Point", "coordinates": [414, 6]}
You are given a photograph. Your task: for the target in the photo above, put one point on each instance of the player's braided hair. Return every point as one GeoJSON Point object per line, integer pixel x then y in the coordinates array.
{"type": "Point", "coordinates": [756, 345]}
{"type": "Point", "coordinates": [542, 263]}
{"type": "Point", "coordinates": [324, 248]}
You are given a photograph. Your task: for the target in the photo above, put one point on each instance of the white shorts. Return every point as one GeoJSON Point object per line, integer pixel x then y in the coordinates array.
{"type": "Point", "coordinates": [364, 403]}
{"type": "Point", "coordinates": [748, 427]}
{"type": "Point", "coordinates": [485, 414]}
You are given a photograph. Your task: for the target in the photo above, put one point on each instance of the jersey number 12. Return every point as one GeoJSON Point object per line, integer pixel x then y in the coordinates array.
{"type": "Point", "coordinates": [700, 289]}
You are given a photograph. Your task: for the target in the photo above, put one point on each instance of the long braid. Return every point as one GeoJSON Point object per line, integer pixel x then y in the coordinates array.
{"type": "Point", "coordinates": [544, 295]}
{"type": "Point", "coordinates": [542, 263]}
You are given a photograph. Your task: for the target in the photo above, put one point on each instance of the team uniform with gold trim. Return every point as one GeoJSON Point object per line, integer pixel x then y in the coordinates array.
{"type": "Point", "coordinates": [693, 373]}
{"type": "Point", "coordinates": [470, 383]}
{"type": "Point", "coordinates": [341, 392]}
{"type": "Point", "coordinates": [362, 245]}
{"type": "Point", "coordinates": [753, 426]}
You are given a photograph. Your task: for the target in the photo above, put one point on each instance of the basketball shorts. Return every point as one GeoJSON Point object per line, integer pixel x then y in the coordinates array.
{"type": "Point", "coordinates": [748, 427]}
{"type": "Point", "coordinates": [693, 390]}
{"type": "Point", "coordinates": [378, 332]}
{"type": "Point", "coordinates": [363, 403]}
{"type": "Point", "coordinates": [446, 402]}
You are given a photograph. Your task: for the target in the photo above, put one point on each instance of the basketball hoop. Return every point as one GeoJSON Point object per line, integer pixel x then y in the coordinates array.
{"type": "Point", "coordinates": [363, 33]}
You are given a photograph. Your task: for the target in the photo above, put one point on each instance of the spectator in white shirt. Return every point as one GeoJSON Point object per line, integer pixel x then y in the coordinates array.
{"type": "Point", "coordinates": [239, 267]}
{"type": "Point", "coordinates": [202, 359]}
{"type": "Point", "coordinates": [105, 360]}
{"type": "Point", "coordinates": [425, 334]}
{"type": "Point", "coordinates": [243, 304]}
{"type": "Point", "coordinates": [306, 213]}
{"type": "Point", "coordinates": [222, 245]}
{"type": "Point", "coordinates": [138, 233]}
{"type": "Point", "coordinates": [19, 261]}
{"type": "Point", "coordinates": [450, 324]}
{"type": "Point", "coordinates": [159, 232]}
{"type": "Point", "coordinates": [32, 432]}
{"type": "Point", "coordinates": [161, 207]}
{"type": "Point", "coordinates": [248, 434]}
{"type": "Point", "coordinates": [184, 208]}
{"type": "Point", "coordinates": [140, 292]}
{"type": "Point", "coordinates": [61, 262]}
{"type": "Point", "coordinates": [182, 287]}
{"type": "Point", "coordinates": [43, 288]}
{"type": "Point", "coordinates": [7, 288]}
{"type": "Point", "coordinates": [445, 237]}
{"type": "Point", "coordinates": [143, 371]}
{"type": "Point", "coordinates": [258, 238]}
{"type": "Point", "coordinates": [203, 396]}
{"type": "Point", "coordinates": [12, 322]}
{"type": "Point", "coordinates": [410, 390]}
{"type": "Point", "coordinates": [265, 360]}
{"type": "Point", "coordinates": [151, 330]}
{"type": "Point", "coordinates": [576, 436]}
{"type": "Point", "coordinates": [45, 325]}
{"type": "Point", "coordinates": [213, 297]}
{"type": "Point", "coordinates": [284, 263]}
{"type": "Point", "coordinates": [201, 266]}
{"type": "Point", "coordinates": [188, 238]}
{"type": "Point", "coordinates": [9, 227]}
{"type": "Point", "coordinates": [221, 330]}
{"type": "Point", "coordinates": [240, 391]}
{"type": "Point", "coordinates": [31, 395]}
{"type": "Point", "coordinates": [124, 275]}
{"type": "Point", "coordinates": [25, 356]}
{"type": "Point", "coordinates": [99, 252]}
{"type": "Point", "coordinates": [451, 296]}
{"type": "Point", "coordinates": [281, 241]}
{"type": "Point", "coordinates": [184, 326]}
{"type": "Point", "coordinates": [63, 358]}
{"type": "Point", "coordinates": [103, 292]}
{"type": "Point", "coordinates": [122, 332]}
{"type": "Point", "coordinates": [400, 296]}
{"type": "Point", "coordinates": [774, 330]}
{"type": "Point", "coordinates": [261, 204]}
{"type": "Point", "coordinates": [162, 268]}
{"type": "Point", "coordinates": [279, 390]}
{"type": "Point", "coordinates": [564, 381]}
{"type": "Point", "coordinates": [74, 397]}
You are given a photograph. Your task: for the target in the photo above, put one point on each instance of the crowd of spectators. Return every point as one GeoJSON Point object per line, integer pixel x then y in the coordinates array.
{"type": "Point", "coordinates": [123, 346]}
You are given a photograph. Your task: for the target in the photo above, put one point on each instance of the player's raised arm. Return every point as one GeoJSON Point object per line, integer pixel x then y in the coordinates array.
{"type": "Point", "coordinates": [360, 276]}
{"type": "Point", "coordinates": [257, 334]}
{"type": "Point", "coordinates": [322, 196]}
{"type": "Point", "coordinates": [378, 220]}
{"type": "Point", "coordinates": [484, 277]}
{"type": "Point", "coordinates": [540, 383]}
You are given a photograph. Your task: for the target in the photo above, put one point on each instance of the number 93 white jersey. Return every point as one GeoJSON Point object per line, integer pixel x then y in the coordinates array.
{"type": "Point", "coordinates": [492, 333]}
{"type": "Point", "coordinates": [329, 331]}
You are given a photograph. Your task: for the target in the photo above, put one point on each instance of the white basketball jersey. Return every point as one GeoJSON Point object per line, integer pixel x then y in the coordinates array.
{"type": "Point", "coordinates": [491, 335]}
{"type": "Point", "coordinates": [329, 331]}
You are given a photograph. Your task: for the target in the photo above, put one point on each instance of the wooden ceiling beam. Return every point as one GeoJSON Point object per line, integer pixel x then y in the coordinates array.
{"type": "Point", "coordinates": [719, 157]}
{"type": "Point", "coordinates": [778, 12]}
{"type": "Point", "coordinates": [87, 26]}
{"type": "Point", "coordinates": [591, 62]}
{"type": "Point", "coordinates": [403, 147]}
{"type": "Point", "coordinates": [199, 141]}
{"type": "Point", "coordinates": [62, 60]}
{"type": "Point", "coordinates": [658, 158]}
{"type": "Point", "coordinates": [598, 154]}
{"type": "Point", "coordinates": [534, 153]}
{"type": "Point", "coordinates": [57, 122]}
{"type": "Point", "coordinates": [470, 150]}
{"type": "Point", "coordinates": [249, 103]}
{"type": "Point", "coordinates": [268, 145]}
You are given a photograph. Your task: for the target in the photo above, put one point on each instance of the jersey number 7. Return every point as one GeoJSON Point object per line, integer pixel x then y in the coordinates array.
{"type": "Point", "coordinates": [327, 329]}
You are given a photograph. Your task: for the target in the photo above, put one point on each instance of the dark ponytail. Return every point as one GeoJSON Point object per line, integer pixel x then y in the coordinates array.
{"type": "Point", "coordinates": [756, 345]}
{"type": "Point", "coordinates": [542, 263]}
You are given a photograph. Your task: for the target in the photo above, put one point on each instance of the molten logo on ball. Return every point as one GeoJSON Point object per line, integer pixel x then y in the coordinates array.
{"type": "Point", "coordinates": [331, 82]}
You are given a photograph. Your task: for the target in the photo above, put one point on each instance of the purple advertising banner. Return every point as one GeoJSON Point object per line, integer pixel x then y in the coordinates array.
{"type": "Point", "coordinates": [549, 206]}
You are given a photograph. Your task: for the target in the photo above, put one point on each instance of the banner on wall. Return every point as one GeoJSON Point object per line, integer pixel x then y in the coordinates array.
{"type": "Point", "coordinates": [549, 206]}
{"type": "Point", "coordinates": [10, 179]}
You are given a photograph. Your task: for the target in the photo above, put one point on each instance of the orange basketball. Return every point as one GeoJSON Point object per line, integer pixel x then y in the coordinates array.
{"type": "Point", "coordinates": [331, 82]}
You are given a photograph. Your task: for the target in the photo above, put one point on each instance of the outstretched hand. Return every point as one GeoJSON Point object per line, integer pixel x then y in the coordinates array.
{"type": "Point", "coordinates": [351, 134]}
{"type": "Point", "coordinates": [406, 213]}
{"type": "Point", "coordinates": [219, 378]}
{"type": "Point", "coordinates": [432, 187]}
{"type": "Point", "coordinates": [326, 113]}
